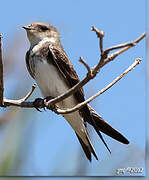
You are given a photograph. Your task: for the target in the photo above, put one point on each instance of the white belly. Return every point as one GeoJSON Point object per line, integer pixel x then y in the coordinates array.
{"type": "Point", "coordinates": [51, 83]}
{"type": "Point", "coordinates": [48, 79]}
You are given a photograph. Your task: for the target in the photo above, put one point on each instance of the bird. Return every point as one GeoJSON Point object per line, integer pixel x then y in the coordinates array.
{"type": "Point", "coordinates": [49, 65]}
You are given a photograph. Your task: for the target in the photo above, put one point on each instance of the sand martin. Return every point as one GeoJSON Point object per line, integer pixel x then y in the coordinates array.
{"type": "Point", "coordinates": [49, 65]}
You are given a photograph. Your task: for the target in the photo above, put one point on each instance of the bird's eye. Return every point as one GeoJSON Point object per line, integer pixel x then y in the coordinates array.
{"type": "Point", "coordinates": [44, 28]}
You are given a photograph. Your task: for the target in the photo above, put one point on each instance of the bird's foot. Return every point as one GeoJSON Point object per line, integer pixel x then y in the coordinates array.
{"type": "Point", "coordinates": [51, 107]}
{"type": "Point", "coordinates": [38, 104]}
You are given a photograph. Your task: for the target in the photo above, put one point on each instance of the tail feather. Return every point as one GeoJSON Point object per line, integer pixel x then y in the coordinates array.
{"type": "Point", "coordinates": [98, 132]}
{"type": "Point", "coordinates": [105, 127]}
{"type": "Point", "coordinates": [88, 149]}
{"type": "Point", "coordinates": [88, 116]}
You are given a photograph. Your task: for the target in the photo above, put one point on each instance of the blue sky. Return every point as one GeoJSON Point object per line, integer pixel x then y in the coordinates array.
{"type": "Point", "coordinates": [123, 106]}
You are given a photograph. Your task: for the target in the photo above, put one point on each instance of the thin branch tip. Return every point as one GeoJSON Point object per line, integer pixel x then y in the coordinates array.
{"type": "Point", "coordinates": [138, 60]}
{"type": "Point", "coordinates": [85, 64]}
{"type": "Point", "coordinates": [99, 32]}
{"type": "Point", "coordinates": [30, 93]}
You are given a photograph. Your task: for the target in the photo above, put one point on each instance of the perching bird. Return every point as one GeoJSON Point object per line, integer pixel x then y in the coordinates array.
{"type": "Point", "coordinates": [49, 65]}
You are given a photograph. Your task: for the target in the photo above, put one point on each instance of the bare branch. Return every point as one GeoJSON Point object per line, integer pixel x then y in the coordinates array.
{"type": "Point", "coordinates": [18, 103]}
{"type": "Point", "coordinates": [80, 105]}
{"type": "Point", "coordinates": [100, 35]}
{"type": "Point", "coordinates": [29, 94]}
{"type": "Point", "coordinates": [126, 47]}
{"type": "Point", "coordinates": [85, 64]}
{"type": "Point", "coordinates": [120, 46]}
{"type": "Point", "coordinates": [92, 72]}
{"type": "Point", "coordinates": [21, 102]}
{"type": "Point", "coordinates": [1, 74]}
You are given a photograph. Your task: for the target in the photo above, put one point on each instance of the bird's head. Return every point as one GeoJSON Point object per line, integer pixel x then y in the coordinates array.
{"type": "Point", "coordinates": [38, 31]}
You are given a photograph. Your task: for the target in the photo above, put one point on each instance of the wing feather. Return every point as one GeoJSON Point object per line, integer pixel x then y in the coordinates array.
{"type": "Point", "coordinates": [62, 62]}
{"type": "Point", "coordinates": [28, 65]}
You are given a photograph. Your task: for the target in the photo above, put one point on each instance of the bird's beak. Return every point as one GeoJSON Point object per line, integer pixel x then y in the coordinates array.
{"type": "Point", "coordinates": [27, 28]}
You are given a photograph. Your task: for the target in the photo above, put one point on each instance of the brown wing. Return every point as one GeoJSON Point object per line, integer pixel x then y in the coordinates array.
{"type": "Point", "coordinates": [27, 64]}
{"type": "Point", "coordinates": [62, 62]}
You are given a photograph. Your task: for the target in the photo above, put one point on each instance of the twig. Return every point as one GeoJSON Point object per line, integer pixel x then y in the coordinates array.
{"type": "Point", "coordinates": [121, 46]}
{"type": "Point", "coordinates": [100, 35]}
{"type": "Point", "coordinates": [85, 64]}
{"type": "Point", "coordinates": [114, 55]}
{"type": "Point", "coordinates": [111, 57]}
{"type": "Point", "coordinates": [21, 102]}
{"type": "Point", "coordinates": [9, 102]}
{"type": "Point", "coordinates": [29, 94]}
{"type": "Point", "coordinates": [80, 105]}
{"type": "Point", "coordinates": [1, 75]}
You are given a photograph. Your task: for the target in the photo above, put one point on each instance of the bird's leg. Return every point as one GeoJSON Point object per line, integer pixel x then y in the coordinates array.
{"type": "Point", "coordinates": [52, 107]}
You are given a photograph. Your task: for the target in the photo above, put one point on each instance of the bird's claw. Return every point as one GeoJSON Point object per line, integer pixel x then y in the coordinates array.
{"type": "Point", "coordinates": [39, 103]}
{"type": "Point", "coordinates": [52, 107]}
